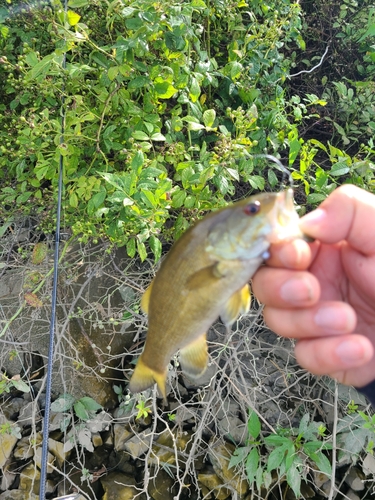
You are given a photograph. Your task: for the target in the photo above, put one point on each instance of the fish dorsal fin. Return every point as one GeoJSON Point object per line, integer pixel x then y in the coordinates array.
{"type": "Point", "coordinates": [238, 304]}
{"type": "Point", "coordinates": [206, 275]}
{"type": "Point", "coordinates": [145, 300]}
{"type": "Point", "coordinates": [194, 357]}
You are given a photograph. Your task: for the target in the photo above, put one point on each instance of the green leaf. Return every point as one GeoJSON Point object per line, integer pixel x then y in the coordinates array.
{"type": "Point", "coordinates": [21, 385]}
{"type": "Point", "coordinates": [194, 90]}
{"type": "Point", "coordinates": [252, 463]}
{"type": "Point", "coordinates": [130, 247]}
{"type": "Point", "coordinates": [140, 136]}
{"type": "Point", "coordinates": [178, 198]}
{"type": "Point", "coordinates": [239, 456]}
{"type": "Point", "coordinates": [155, 245]}
{"type": "Point", "coordinates": [141, 250]}
{"type": "Point", "coordinates": [293, 477]}
{"type": "Point", "coordinates": [73, 200]}
{"type": "Point", "coordinates": [77, 3]}
{"type": "Point", "coordinates": [40, 70]}
{"type": "Point", "coordinates": [339, 168]}
{"type": "Point", "coordinates": [276, 457]}
{"type": "Point", "coordinates": [158, 137]}
{"type": "Point", "coordinates": [253, 425]}
{"type": "Point", "coordinates": [63, 403]}
{"type": "Point", "coordinates": [315, 197]}
{"type": "Point", "coordinates": [137, 161]}
{"type": "Point", "coordinates": [81, 411]}
{"type": "Point", "coordinates": [164, 90]}
{"type": "Point", "coordinates": [90, 404]}
{"type": "Point", "coordinates": [113, 72]}
{"type": "Point", "coordinates": [209, 117]}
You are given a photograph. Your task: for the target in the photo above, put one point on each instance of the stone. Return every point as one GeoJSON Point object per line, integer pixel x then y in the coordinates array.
{"type": "Point", "coordinates": [138, 444]}
{"type": "Point", "coordinates": [29, 414]}
{"type": "Point", "coordinates": [161, 486]}
{"type": "Point", "coordinates": [38, 459]}
{"type": "Point", "coordinates": [58, 451]}
{"type": "Point", "coordinates": [121, 435]}
{"type": "Point", "coordinates": [17, 495]}
{"type": "Point", "coordinates": [30, 479]}
{"type": "Point", "coordinates": [355, 479]}
{"type": "Point", "coordinates": [352, 495]}
{"type": "Point", "coordinates": [233, 429]}
{"type": "Point", "coordinates": [214, 484]}
{"type": "Point", "coordinates": [7, 443]}
{"type": "Point", "coordinates": [368, 465]}
{"type": "Point", "coordinates": [118, 486]}
{"type": "Point", "coordinates": [220, 454]}
{"type": "Point", "coordinates": [96, 439]}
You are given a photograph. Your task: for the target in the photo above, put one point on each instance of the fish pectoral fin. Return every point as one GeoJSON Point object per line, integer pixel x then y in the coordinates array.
{"type": "Point", "coordinates": [238, 304]}
{"type": "Point", "coordinates": [144, 377]}
{"type": "Point", "coordinates": [194, 357]}
{"type": "Point", "coordinates": [145, 300]}
{"type": "Point", "coordinates": [205, 276]}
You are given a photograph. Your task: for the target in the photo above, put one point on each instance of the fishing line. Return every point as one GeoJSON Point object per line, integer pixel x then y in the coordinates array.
{"type": "Point", "coordinates": [280, 166]}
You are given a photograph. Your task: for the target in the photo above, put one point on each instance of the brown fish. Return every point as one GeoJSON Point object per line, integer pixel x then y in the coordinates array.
{"type": "Point", "coordinates": [205, 275]}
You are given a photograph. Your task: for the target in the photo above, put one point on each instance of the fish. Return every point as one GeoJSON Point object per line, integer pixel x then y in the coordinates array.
{"type": "Point", "coordinates": [204, 276]}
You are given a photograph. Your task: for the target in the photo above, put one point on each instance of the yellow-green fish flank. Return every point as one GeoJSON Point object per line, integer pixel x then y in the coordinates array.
{"type": "Point", "coordinates": [205, 275]}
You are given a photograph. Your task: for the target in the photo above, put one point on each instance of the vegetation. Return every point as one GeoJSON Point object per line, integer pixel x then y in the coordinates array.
{"type": "Point", "coordinates": [165, 106]}
{"type": "Point", "coordinates": [160, 112]}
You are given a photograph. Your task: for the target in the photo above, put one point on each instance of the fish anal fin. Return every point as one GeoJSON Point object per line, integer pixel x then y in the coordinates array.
{"type": "Point", "coordinates": [144, 377]}
{"type": "Point", "coordinates": [238, 304]}
{"type": "Point", "coordinates": [206, 275]}
{"type": "Point", "coordinates": [194, 357]}
{"type": "Point", "coordinates": [145, 300]}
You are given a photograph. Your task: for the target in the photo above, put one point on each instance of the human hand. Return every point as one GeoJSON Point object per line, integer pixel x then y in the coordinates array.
{"type": "Point", "coordinates": [323, 294]}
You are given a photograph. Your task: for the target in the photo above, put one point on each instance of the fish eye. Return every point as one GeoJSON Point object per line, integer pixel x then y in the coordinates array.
{"type": "Point", "coordinates": [252, 208]}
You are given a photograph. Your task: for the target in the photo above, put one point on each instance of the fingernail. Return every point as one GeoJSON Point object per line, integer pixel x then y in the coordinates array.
{"type": "Point", "coordinates": [313, 218]}
{"type": "Point", "coordinates": [331, 318]}
{"type": "Point", "coordinates": [296, 291]}
{"type": "Point", "coordinates": [350, 351]}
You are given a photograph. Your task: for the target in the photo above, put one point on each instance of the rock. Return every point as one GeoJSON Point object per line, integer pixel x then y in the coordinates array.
{"type": "Point", "coordinates": [121, 435]}
{"type": "Point", "coordinates": [220, 454]}
{"type": "Point", "coordinates": [24, 450]}
{"type": "Point", "coordinates": [57, 450]}
{"type": "Point", "coordinates": [320, 478]}
{"type": "Point", "coordinates": [11, 408]}
{"type": "Point", "coordinates": [38, 460]}
{"type": "Point", "coordinates": [9, 475]}
{"type": "Point", "coordinates": [161, 486]}
{"type": "Point", "coordinates": [368, 465]}
{"type": "Point", "coordinates": [7, 443]}
{"type": "Point", "coordinates": [355, 479]}
{"type": "Point", "coordinates": [17, 495]}
{"type": "Point", "coordinates": [352, 495]}
{"type": "Point", "coordinates": [214, 484]}
{"type": "Point", "coordinates": [233, 429]}
{"type": "Point", "coordinates": [29, 414]}
{"type": "Point", "coordinates": [30, 479]}
{"type": "Point", "coordinates": [118, 486]}
{"type": "Point", "coordinates": [138, 444]}
{"type": "Point", "coordinates": [96, 439]}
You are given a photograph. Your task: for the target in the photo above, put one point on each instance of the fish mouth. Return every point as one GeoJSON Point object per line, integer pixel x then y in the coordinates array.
{"type": "Point", "coordinates": [285, 218]}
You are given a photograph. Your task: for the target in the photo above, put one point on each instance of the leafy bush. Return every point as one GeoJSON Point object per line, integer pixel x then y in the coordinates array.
{"type": "Point", "coordinates": [163, 104]}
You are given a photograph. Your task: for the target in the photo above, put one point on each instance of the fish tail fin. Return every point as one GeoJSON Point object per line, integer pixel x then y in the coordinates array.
{"type": "Point", "coordinates": [194, 357]}
{"type": "Point", "coordinates": [145, 377]}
